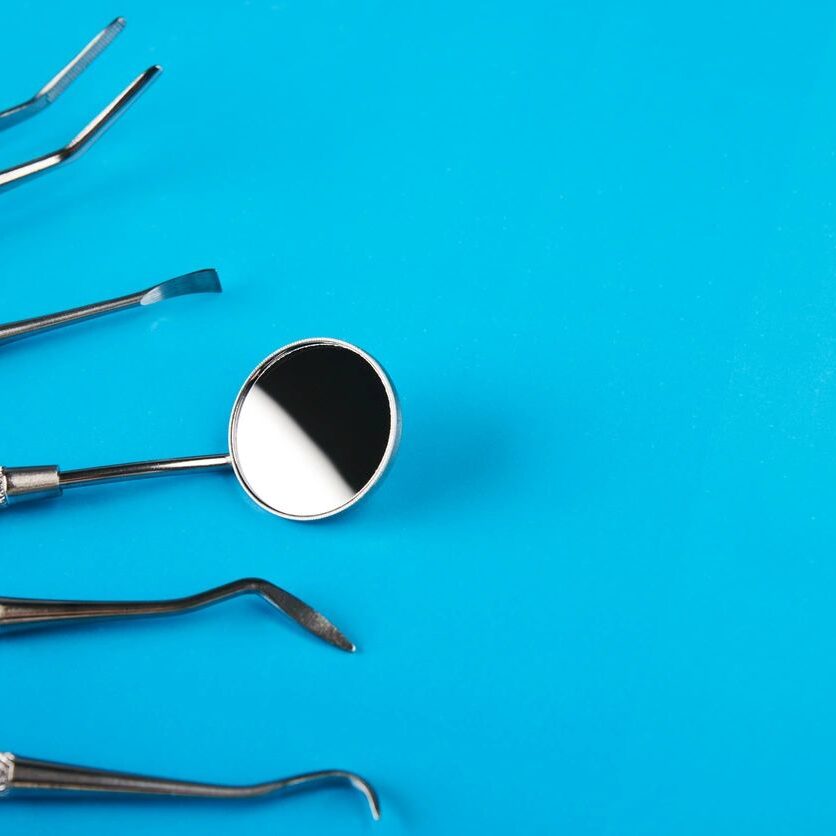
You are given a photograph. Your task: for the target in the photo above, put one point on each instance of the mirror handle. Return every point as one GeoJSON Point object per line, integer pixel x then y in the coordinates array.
{"type": "Point", "coordinates": [47, 481]}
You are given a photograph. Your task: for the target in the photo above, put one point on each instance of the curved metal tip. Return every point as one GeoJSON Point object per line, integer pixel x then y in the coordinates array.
{"type": "Point", "coordinates": [200, 281]}
{"type": "Point", "coordinates": [116, 108]}
{"type": "Point", "coordinates": [311, 780]}
{"type": "Point", "coordinates": [303, 614]}
{"type": "Point", "coordinates": [363, 786]}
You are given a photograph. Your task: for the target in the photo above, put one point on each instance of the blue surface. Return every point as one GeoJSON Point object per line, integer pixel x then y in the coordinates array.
{"type": "Point", "coordinates": [595, 250]}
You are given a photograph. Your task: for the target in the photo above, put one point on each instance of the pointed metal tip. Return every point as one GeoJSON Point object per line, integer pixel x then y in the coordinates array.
{"type": "Point", "coordinates": [146, 77]}
{"type": "Point", "coordinates": [200, 281]}
{"type": "Point", "coordinates": [343, 643]}
{"type": "Point", "coordinates": [114, 28]}
{"type": "Point", "coordinates": [303, 614]}
{"type": "Point", "coordinates": [320, 626]}
{"type": "Point", "coordinates": [142, 81]}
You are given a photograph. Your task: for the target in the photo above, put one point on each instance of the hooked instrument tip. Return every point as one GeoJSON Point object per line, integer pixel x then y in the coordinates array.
{"type": "Point", "coordinates": [368, 790]}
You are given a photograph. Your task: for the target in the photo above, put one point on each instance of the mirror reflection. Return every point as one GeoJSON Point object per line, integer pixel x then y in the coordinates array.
{"type": "Point", "coordinates": [313, 429]}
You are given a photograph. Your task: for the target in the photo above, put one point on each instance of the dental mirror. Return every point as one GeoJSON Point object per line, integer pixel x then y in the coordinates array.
{"type": "Point", "coordinates": [312, 431]}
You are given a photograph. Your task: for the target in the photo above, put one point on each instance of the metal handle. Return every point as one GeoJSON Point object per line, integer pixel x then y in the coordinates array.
{"type": "Point", "coordinates": [26, 327]}
{"type": "Point", "coordinates": [199, 281]}
{"type": "Point", "coordinates": [24, 611]}
{"type": "Point", "coordinates": [47, 481]}
{"type": "Point", "coordinates": [18, 773]}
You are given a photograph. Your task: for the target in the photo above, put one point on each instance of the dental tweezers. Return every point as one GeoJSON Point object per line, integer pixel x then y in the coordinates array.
{"type": "Point", "coordinates": [26, 612]}
{"type": "Point", "coordinates": [19, 773]}
{"type": "Point", "coordinates": [53, 89]}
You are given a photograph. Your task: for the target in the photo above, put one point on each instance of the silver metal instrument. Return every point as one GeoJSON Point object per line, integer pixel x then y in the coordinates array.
{"type": "Point", "coordinates": [63, 79]}
{"type": "Point", "coordinates": [19, 773]}
{"type": "Point", "coordinates": [53, 89]}
{"type": "Point", "coordinates": [200, 281]}
{"type": "Point", "coordinates": [26, 612]}
{"type": "Point", "coordinates": [312, 430]}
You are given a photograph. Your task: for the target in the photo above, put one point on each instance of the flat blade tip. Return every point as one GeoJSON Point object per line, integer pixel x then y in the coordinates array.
{"type": "Point", "coordinates": [199, 281]}
{"type": "Point", "coordinates": [208, 279]}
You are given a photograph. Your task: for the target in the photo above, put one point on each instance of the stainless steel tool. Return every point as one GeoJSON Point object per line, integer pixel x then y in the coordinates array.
{"type": "Point", "coordinates": [28, 612]}
{"type": "Point", "coordinates": [200, 281]}
{"type": "Point", "coordinates": [64, 78]}
{"type": "Point", "coordinates": [19, 773]}
{"type": "Point", "coordinates": [312, 430]}
{"type": "Point", "coordinates": [53, 89]}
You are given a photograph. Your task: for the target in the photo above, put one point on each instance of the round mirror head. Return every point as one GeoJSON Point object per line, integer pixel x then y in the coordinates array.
{"type": "Point", "coordinates": [313, 429]}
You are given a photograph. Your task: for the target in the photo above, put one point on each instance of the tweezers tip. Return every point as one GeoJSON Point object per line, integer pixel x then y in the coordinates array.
{"type": "Point", "coordinates": [145, 77]}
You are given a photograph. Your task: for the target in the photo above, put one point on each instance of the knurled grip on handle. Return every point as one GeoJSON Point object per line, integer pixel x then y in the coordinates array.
{"type": "Point", "coordinates": [7, 771]}
{"type": "Point", "coordinates": [20, 483]}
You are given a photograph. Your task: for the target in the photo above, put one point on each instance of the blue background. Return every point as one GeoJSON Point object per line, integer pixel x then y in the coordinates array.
{"type": "Point", "coordinates": [595, 249]}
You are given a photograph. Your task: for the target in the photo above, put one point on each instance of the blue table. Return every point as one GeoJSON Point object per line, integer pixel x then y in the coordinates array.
{"type": "Point", "coordinates": [595, 249]}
